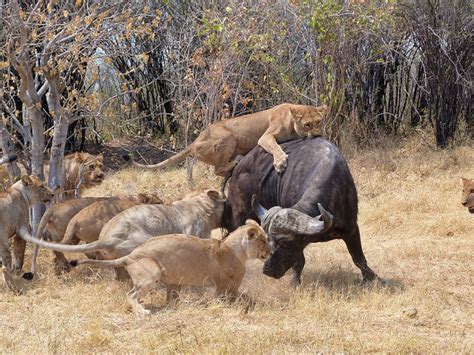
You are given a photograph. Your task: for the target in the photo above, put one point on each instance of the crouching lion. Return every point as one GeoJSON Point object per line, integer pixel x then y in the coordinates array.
{"type": "Point", "coordinates": [14, 216]}
{"type": "Point", "coordinates": [220, 143]}
{"type": "Point", "coordinates": [195, 214]}
{"type": "Point", "coordinates": [54, 222]}
{"type": "Point", "coordinates": [179, 260]}
{"type": "Point", "coordinates": [468, 194]}
{"type": "Point", "coordinates": [87, 224]}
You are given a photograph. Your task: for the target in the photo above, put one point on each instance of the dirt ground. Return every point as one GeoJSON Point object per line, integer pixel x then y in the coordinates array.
{"type": "Point", "coordinates": [415, 233]}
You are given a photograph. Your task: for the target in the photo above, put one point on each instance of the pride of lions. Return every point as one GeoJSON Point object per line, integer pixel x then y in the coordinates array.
{"type": "Point", "coordinates": [141, 237]}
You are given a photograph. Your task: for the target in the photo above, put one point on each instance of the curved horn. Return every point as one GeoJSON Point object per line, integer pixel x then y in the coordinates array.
{"type": "Point", "coordinates": [259, 210]}
{"type": "Point", "coordinates": [291, 221]}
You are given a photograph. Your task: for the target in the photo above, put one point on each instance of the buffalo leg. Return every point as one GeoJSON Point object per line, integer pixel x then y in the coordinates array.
{"type": "Point", "coordinates": [354, 246]}
{"type": "Point", "coordinates": [297, 269]}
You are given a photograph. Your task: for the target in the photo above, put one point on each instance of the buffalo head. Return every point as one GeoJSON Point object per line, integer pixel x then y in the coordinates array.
{"type": "Point", "coordinates": [289, 231]}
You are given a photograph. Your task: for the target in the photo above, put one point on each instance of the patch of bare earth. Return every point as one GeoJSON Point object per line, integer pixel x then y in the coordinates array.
{"type": "Point", "coordinates": [415, 234]}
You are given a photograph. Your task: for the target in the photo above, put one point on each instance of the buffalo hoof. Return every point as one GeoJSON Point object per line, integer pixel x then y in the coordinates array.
{"type": "Point", "coordinates": [373, 281]}
{"type": "Point", "coordinates": [295, 283]}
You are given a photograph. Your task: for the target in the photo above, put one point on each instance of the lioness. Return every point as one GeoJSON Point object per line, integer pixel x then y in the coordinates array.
{"type": "Point", "coordinates": [14, 215]}
{"type": "Point", "coordinates": [80, 171]}
{"type": "Point", "coordinates": [196, 214]}
{"type": "Point", "coordinates": [468, 194]}
{"type": "Point", "coordinates": [4, 177]}
{"type": "Point", "coordinates": [87, 223]}
{"type": "Point", "coordinates": [180, 260]}
{"type": "Point", "coordinates": [220, 143]}
{"type": "Point", "coordinates": [54, 222]}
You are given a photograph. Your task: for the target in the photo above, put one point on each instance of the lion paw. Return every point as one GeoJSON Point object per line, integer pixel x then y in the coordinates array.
{"type": "Point", "coordinates": [281, 164]}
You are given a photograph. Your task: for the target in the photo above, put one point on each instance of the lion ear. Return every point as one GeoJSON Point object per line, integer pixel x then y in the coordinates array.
{"type": "Point", "coordinates": [296, 114]}
{"type": "Point", "coordinates": [143, 198]}
{"type": "Point", "coordinates": [252, 222]}
{"type": "Point", "coordinates": [100, 156]}
{"type": "Point", "coordinates": [323, 109]}
{"type": "Point", "coordinates": [27, 181]}
{"type": "Point", "coordinates": [80, 157]}
{"type": "Point", "coordinates": [253, 232]}
{"type": "Point", "coordinates": [465, 182]}
{"type": "Point", "coordinates": [214, 195]}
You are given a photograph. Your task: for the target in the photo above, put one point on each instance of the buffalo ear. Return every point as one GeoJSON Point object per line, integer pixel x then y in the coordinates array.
{"type": "Point", "coordinates": [27, 180]}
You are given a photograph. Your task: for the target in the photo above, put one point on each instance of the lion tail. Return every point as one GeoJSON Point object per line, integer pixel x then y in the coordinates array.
{"type": "Point", "coordinates": [107, 263]}
{"type": "Point", "coordinates": [65, 248]}
{"type": "Point", "coordinates": [175, 159]}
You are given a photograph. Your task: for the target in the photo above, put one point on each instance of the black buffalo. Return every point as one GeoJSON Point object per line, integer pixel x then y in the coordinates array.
{"type": "Point", "coordinates": [317, 173]}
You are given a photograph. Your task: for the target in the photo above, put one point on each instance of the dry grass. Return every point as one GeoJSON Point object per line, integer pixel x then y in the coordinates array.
{"type": "Point", "coordinates": [416, 235]}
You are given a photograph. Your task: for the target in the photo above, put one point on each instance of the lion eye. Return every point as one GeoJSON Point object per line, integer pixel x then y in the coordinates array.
{"type": "Point", "coordinates": [307, 125]}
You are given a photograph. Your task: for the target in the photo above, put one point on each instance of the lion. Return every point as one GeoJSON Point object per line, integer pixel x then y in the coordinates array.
{"type": "Point", "coordinates": [87, 223]}
{"type": "Point", "coordinates": [4, 176]}
{"type": "Point", "coordinates": [14, 215]}
{"type": "Point", "coordinates": [54, 222]}
{"type": "Point", "coordinates": [220, 143]}
{"type": "Point", "coordinates": [195, 214]}
{"type": "Point", "coordinates": [181, 260]}
{"type": "Point", "coordinates": [468, 194]}
{"type": "Point", "coordinates": [80, 171]}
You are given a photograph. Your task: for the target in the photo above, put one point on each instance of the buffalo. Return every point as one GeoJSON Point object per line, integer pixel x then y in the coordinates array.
{"type": "Point", "coordinates": [314, 200]}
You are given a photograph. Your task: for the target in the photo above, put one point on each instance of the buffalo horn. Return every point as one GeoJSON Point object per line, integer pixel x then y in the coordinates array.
{"type": "Point", "coordinates": [291, 221]}
{"type": "Point", "coordinates": [258, 208]}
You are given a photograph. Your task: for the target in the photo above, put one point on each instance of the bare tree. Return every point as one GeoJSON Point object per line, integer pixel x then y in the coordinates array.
{"type": "Point", "coordinates": [43, 46]}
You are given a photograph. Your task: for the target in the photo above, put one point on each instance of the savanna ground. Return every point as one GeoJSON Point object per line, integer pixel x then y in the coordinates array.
{"type": "Point", "coordinates": [415, 234]}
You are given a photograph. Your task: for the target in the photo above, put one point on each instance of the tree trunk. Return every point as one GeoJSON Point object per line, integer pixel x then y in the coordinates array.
{"type": "Point", "coordinates": [59, 132]}
{"type": "Point", "coordinates": [12, 168]}
{"type": "Point", "coordinates": [37, 161]}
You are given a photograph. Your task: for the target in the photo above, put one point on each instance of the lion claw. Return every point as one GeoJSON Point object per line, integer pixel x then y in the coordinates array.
{"type": "Point", "coordinates": [281, 165]}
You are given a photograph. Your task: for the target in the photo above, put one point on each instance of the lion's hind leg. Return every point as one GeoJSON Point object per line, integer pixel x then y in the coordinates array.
{"type": "Point", "coordinates": [145, 274]}
{"type": "Point", "coordinates": [7, 264]}
{"type": "Point", "coordinates": [217, 148]}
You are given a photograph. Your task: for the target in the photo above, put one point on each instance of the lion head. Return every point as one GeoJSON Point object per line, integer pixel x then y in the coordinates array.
{"type": "Point", "coordinates": [256, 240]}
{"type": "Point", "coordinates": [35, 190]}
{"type": "Point", "coordinates": [150, 199]}
{"type": "Point", "coordinates": [82, 170]}
{"type": "Point", "coordinates": [308, 119]}
{"type": "Point", "coordinates": [467, 199]}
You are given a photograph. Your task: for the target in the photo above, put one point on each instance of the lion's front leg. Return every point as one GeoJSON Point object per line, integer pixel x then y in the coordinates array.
{"type": "Point", "coordinates": [280, 158]}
